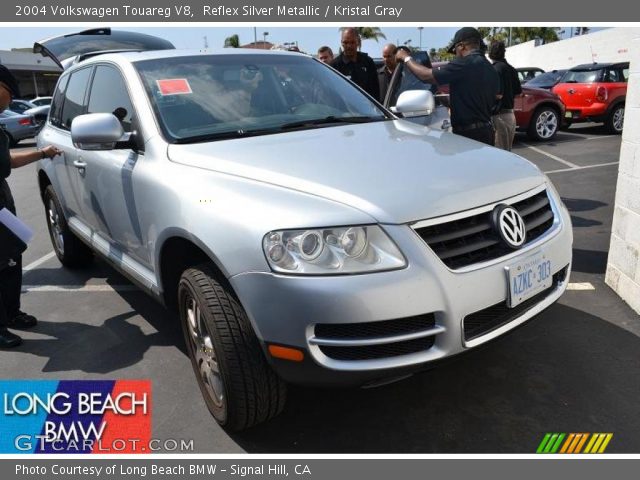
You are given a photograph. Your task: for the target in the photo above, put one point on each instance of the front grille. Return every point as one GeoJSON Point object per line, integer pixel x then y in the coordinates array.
{"type": "Point", "coordinates": [486, 320]}
{"type": "Point", "coordinates": [472, 239]}
{"type": "Point", "coordinates": [372, 352]}
{"type": "Point", "coordinates": [376, 330]}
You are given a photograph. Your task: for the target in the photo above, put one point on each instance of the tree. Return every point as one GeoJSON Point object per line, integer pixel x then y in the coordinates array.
{"type": "Point", "coordinates": [368, 33]}
{"type": "Point", "coordinates": [232, 42]}
{"type": "Point", "coordinates": [525, 34]}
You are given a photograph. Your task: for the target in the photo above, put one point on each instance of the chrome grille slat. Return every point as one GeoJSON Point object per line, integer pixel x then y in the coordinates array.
{"type": "Point", "coordinates": [470, 240]}
{"type": "Point", "coordinates": [376, 340]}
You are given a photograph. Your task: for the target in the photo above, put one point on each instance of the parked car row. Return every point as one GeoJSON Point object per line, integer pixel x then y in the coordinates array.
{"type": "Point", "coordinates": [592, 92]}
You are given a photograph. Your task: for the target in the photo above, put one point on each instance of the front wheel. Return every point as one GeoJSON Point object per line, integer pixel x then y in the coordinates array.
{"type": "Point", "coordinates": [544, 124]}
{"type": "Point", "coordinates": [615, 120]}
{"type": "Point", "coordinates": [238, 386]}
{"type": "Point", "coordinates": [68, 248]}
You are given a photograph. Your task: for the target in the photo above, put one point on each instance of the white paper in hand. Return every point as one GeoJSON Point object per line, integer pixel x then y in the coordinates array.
{"type": "Point", "coordinates": [17, 226]}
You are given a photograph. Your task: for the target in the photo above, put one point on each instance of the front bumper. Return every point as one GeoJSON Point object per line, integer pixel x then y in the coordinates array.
{"type": "Point", "coordinates": [285, 310]}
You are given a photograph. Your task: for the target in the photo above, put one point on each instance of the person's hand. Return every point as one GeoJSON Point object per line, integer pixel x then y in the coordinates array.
{"type": "Point", "coordinates": [50, 151]}
{"type": "Point", "coordinates": [401, 55]}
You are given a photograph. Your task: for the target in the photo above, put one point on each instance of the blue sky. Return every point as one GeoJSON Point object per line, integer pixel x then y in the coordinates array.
{"type": "Point", "coordinates": [309, 38]}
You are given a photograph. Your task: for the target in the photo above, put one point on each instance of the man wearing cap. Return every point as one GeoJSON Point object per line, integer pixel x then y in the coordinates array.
{"type": "Point", "coordinates": [474, 84]}
{"type": "Point", "coordinates": [504, 119]}
{"type": "Point", "coordinates": [11, 271]}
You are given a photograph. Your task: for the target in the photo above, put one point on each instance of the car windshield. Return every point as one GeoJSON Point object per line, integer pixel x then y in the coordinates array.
{"type": "Point", "coordinates": [581, 76]}
{"type": "Point", "coordinates": [548, 78]}
{"type": "Point", "coordinates": [209, 97]}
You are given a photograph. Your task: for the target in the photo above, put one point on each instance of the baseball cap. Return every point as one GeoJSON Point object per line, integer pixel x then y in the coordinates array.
{"type": "Point", "coordinates": [463, 35]}
{"type": "Point", "coordinates": [9, 80]}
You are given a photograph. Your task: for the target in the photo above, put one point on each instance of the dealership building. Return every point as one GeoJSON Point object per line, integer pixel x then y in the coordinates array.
{"type": "Point", "coordinates": [36, 75]}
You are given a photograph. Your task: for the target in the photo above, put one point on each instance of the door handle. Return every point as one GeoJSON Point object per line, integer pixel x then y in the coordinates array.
{"type": "Point", "coordinates": [79, 164]}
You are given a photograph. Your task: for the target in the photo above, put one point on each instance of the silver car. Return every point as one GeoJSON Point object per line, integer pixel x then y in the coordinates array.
{"type": "Point", "coordinates": [302, 232]}
{"type": "Point", "coordinates": [17, 126]}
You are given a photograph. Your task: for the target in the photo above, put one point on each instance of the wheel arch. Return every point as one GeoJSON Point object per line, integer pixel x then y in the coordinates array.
{"type": "Point", "coordinates": [179, 251]}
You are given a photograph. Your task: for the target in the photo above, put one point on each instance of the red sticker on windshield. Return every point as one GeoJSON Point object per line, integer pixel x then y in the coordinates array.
{"type": "Point", "coordinates": [174, 86]}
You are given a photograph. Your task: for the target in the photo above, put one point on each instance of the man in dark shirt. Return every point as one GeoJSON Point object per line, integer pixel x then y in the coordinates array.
{"type": "Point", "coordinates": [385, 72]}
{"type": "Point", "coordinates": [474, 85]}
{"type": "Point", "coordinates": [355, 65]}
{"type": "Point", "coordinates": [11, 268]}
{"type": "Point", "coordinates": [505, 120]}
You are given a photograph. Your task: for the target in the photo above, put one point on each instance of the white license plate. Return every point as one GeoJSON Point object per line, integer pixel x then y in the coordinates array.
{"type": "Point", "coordinates": [528, 277]}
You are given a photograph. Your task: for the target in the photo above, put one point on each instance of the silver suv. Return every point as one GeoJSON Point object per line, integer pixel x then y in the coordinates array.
{"type": "Point", "coordinates": [303, 232]}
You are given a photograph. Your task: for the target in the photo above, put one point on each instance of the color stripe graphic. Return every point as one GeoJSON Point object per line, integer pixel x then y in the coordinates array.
{"type": "Point", "coordinates": [574, 443]}
{"type": "Point", "coordinates": [75, 416]}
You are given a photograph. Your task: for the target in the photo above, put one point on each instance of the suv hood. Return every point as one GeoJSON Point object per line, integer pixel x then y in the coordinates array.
{"type": "Point", "coordinates": [395, 171]}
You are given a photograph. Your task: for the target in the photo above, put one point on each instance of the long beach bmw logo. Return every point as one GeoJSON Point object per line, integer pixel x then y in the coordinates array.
{"type": "Point", "coordinates": [509, 225]}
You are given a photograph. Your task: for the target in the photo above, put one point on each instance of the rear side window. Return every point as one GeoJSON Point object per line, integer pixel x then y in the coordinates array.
{"type": "Point", "coordinates": [57, 102]}
{"type": "Point", "coordinates": [613, 75]}
{"type": "Point", "coordinates": [74, 97]}
{"type": "Point", "coordinates": [582, 76]}
{"type": "Point", "coordinates": [625, 74]}
{"type": "Point", "coordinates": [109, 95]}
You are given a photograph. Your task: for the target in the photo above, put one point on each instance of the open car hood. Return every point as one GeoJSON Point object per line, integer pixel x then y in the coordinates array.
{"type": "Point", "coordinates": [65, 50]}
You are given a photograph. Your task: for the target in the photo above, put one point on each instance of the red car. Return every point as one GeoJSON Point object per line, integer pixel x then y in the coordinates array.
{"type": "Point", "coordinates": [595, 92]}
{"type": "Point", "coordinates": [538, 112]}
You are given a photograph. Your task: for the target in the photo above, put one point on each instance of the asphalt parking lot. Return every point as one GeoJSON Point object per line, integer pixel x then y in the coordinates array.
{"type": "Point", "coordinates": [575, 368]}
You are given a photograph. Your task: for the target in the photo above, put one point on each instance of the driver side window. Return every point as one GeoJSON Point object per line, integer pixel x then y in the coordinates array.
{"type": "Point", "coordinates": [109, 95]}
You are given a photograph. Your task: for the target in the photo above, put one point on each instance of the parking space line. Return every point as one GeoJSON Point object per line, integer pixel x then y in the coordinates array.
{"type": "Point", "coordinates": [553, 157]}
{"type": "Point", "coordinates": [602, 136]}
{"type": "Point", "coordinates": [78, 288]}
{"type": "Point", "coordinates": [581, 168]}
{"type": "Point", "coordinates": [39, 262]}
{"type": "Point", "coordinates": [581, 286]}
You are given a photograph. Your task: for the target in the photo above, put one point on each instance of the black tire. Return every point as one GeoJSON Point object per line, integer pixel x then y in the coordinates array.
{"type": "Point", "coordinates": [12, 142]}
{"type": "Point", "coordinates": [544, 124]}
{"type": "Point", "coordinates": [239, 387]}
{"type": "Point", "coordinates": [69, 249]}
{"type": "Point", "coordinates": [615, 120]}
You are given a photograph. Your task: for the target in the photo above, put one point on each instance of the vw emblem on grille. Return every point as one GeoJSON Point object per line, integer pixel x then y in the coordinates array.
{"type": "Point", "coordinates": [509, 225]}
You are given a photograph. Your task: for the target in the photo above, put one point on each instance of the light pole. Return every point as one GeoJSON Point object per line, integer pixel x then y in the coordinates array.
{"type": "Point", "coordinates": [420, 30]}
{"type": "Point", "coordinates": [264, 38]}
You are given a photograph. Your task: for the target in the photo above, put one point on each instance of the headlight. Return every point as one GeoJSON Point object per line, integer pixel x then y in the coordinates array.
{"type": "Point", "coordinates": [332, 251]}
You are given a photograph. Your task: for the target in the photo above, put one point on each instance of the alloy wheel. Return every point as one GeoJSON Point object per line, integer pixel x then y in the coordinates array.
{"type": "Point", "coordinates": [204, 352]}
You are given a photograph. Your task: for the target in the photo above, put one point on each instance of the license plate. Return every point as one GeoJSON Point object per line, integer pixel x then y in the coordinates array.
{"type": "Point", "coordinates": [528, 277]}
{"type": "Point", "coordinates": [568, 114]}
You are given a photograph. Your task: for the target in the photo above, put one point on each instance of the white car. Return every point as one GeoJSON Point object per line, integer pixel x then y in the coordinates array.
{"type": "Point", "coordinates": [302, 232]}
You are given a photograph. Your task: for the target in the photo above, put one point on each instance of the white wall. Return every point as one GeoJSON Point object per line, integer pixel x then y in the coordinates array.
{"type": "Point", "coordinates": [623, 264]}
{"type": "Point", "coordinates": [609, 45]}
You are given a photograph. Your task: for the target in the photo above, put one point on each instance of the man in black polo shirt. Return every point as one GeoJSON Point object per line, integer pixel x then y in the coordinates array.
{"type": "Point", "coordinates": [474, 85]}
{"type": "Point", "coordinates": [504, 119]}
{"type": "Point", "coordinates": [357, 66]}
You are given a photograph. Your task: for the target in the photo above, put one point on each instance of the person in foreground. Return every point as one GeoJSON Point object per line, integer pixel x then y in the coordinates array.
{"type": "Point", "coordinates": [11, 268]}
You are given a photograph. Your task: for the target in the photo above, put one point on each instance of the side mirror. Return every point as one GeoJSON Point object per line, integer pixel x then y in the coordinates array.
{"type": "Point", "coordinates": [97, 131]}
{"type": "Point", "coordinates": [415, 103]}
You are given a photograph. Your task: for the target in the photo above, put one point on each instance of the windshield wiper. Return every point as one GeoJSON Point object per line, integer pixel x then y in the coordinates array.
{"type": "Point", "coordinates": [239, 133]}
{"type": "Point", "coordinates": [331, 119]}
